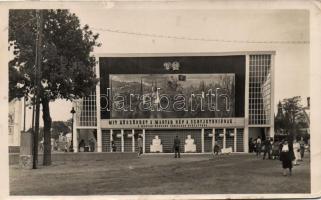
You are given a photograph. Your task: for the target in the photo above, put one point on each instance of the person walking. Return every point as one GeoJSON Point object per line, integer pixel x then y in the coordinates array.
{"type": "Point", "coordinates": [251, 145]}
{"type": "Point", "coordinates": [254, 145]}
{"type": "Point", "coordinates": [296, 150]}
{"type": "Point", "coordinates": [267, 148]}
{"type": "Point", "coordinates": [140, 146]}
{"type": "Point", "coordinates": [286, 158]}
{"type": "Point", "coordinates": [41, 145]}
{"type": "Point", "coordinates": [113, 146]}
{"type": "Point", "coordinates": [302, 148]}
{"type": "Point", "coordinates": [275, 149]}
{"type": "Point", "coordinates": [258, 147]}
{"type": "Point", "coordinates": [92, 144]}
{"type": "Point", "coordinates": [176, 147]}
{"type": "Point", "coordinates": [216, 149]}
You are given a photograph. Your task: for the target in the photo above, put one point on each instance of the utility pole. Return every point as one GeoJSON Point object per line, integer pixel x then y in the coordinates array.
{"type": "Point", "coordinates": [38, 62]}
{"type": "Point", "coordinates": [24, 114]}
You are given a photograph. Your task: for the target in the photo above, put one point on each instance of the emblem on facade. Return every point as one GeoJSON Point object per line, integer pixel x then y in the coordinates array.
{"type": "Point", "coordinates": [172, 66]}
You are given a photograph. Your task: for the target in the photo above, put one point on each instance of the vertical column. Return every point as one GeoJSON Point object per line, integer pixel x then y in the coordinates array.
{"type": "Point", "coordinates": [144, 140]}
{"type": "Point", "coordinates": [246, 109]}
{"type": "Point", "coordinates": [235, 140]}
{"type": "Point", "coordinates": [122, 139]}
{"type": "Point", "coordinates": [271, 130]}
{"type": "Point", "coordinates": [213, 139]}
{"type": "Point", "coordinates": [202, 139]}
{"type": "Point", "coordinates": [224, 138]}
{"type": "Point", "coordinates": [99, 134]}
{"type": "Point", "coordinates": [246, 139]}
{"type": "Point", "coordinates": [74, 128]}
{"type": "Point", "coordinates": [133, 140]}
{"type": "Point", "coordinates": [75, 138]}
{"type": "Point", "coordinates": [111, 139]}
{"type": "Point", "coordinates": [99, 139]}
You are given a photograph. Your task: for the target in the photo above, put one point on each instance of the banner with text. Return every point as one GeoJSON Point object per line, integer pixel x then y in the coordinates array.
{"type": "Point", "coordinates": [172, 123]}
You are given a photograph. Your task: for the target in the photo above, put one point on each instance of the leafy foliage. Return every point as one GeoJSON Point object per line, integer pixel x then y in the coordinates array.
{"type": "Point", "coordinates": [57, 127]}
{"type": "Point", "coordinates": [290, 117]}
{"type": "Point", "coordinates": [67, 66]}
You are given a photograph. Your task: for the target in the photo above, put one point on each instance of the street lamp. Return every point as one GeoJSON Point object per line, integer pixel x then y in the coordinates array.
{"type": "Point", "coordinates": [71, 149]}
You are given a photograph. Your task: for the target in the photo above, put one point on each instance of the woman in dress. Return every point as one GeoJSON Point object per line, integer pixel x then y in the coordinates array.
{"type": "Point", "coordinates": [286, 158]}
{"type": "Point", "coordinates": [296, 149]}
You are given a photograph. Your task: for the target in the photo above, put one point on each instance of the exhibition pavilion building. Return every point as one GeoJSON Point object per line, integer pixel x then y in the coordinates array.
{"type": "Point", "coordinates": [203, 98]}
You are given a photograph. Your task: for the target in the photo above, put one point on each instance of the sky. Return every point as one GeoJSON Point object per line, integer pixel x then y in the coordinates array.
{"type": "Point", "coordinates": [291, 60]}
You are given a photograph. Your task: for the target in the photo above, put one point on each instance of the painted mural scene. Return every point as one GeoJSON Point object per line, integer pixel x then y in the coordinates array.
{"type": "Point", "coordinates": [171, 96]}
{"type": "Point", "coordinates": [185, 113]}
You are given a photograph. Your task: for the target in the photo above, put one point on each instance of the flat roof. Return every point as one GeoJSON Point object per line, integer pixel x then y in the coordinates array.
{"type": "Point", "coordinates": [183, 54]}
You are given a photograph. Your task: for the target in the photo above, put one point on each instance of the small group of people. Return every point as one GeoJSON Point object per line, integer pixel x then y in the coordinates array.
{"type": "Point", "coordinates": [269, 147]}
{"type": "Point", "coordinates": [288, 153]}
{"type": "Point", "coordinates": [257, 145]}
{"type": "Point", "coordinates": [90, 147]}
{"type": "Point", "coordinates": [291, 153]}
{"type": "Point", "coordinates": [55, 145]}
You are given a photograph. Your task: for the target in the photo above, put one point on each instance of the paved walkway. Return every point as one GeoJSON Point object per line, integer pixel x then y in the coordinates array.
{"type": "Point", "coordinates": [162, 174]}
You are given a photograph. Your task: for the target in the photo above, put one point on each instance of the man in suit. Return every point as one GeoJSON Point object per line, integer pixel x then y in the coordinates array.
{"type": "Point", "coordinates": [176, 146]}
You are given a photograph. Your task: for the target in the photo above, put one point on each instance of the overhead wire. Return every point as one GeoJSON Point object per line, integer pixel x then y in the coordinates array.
{"type": "Point", "coordinates": [154, 35]}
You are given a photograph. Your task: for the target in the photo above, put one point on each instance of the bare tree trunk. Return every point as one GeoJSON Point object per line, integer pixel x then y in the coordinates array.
{"type": "Point", "coordinates": [47, 133]}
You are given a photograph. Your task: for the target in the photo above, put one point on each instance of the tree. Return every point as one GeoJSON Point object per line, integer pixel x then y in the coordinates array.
{"type": "Point", "coordinates": [279, 119]}
{"type": "Point", "coordinates": [290, 116]}
{"type": "Point", "coordinates": [292, 110]}
{"type": "Point", "coordinates": [59, 127]}
{"type": "Point", "coordinates": [67, 69]}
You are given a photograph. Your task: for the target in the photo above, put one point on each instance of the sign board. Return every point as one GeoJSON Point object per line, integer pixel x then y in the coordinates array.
{"type": "Point", "coordinates": [181, 123]}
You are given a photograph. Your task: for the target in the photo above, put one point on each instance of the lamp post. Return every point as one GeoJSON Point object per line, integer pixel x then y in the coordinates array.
{"type": "Point", "coordinates": [71, 149]}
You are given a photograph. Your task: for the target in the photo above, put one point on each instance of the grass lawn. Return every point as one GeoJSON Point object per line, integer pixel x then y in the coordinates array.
{"type": "Point", "coordinates": [162, 174]}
